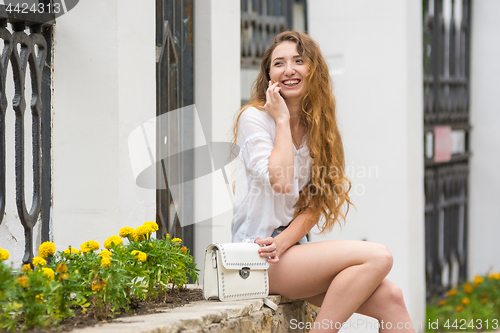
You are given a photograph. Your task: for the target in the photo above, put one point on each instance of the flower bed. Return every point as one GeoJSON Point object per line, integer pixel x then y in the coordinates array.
{"type": "Point", "coordinates": [48, 290]}
{"type": "Point", "coordinates": [471, 307]}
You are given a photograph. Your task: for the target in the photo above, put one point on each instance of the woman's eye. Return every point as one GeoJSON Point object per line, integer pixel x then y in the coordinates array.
{"type": "Point", "coordinates": [300, 61]}
{"type": "Point", "coordinates": [277, 63]}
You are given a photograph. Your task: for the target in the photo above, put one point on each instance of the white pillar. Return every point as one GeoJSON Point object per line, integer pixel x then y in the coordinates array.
{"type": "Point", "coordinates": [374, 50]}
{"type": "Point", "coordinates": [104, 86]}
{"type": "Point", "coordinates": [217, 99]}
{"type": "Point", "coordinates": [484, 180]}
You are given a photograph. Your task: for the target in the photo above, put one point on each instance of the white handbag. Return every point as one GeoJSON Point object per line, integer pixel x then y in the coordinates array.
{"type": "Point", "coordinates": [235, 271]}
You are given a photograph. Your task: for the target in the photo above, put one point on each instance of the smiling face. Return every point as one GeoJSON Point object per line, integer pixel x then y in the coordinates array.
{"type": "Point", "coordinates": [289, 69]}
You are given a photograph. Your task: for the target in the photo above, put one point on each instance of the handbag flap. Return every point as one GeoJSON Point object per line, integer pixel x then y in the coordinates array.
{"type": "Point", "coordinates": [239, 255]}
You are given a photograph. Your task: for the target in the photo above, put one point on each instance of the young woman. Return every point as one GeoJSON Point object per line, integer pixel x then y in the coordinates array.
{"type": "Point", "coordinates": [292, 178]}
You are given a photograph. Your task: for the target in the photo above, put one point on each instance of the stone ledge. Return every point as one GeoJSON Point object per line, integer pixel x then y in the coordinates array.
{"type": "Point", "coordinates": [214, 316]}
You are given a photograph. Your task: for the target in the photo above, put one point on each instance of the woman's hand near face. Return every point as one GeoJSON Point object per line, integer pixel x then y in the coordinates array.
{"type": "Point", "coordinates": [275, 104]}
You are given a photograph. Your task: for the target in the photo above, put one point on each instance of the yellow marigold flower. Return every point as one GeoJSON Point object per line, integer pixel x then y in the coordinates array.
{"type": "Point", "coordinates": [494, 276]}
{"type": "Point", "coordinates": [484, 301]}
{"type": "Point", "coordinates": [105, 254]}
{"type": "Point", "coordinates": [152, 224]}
{"type": "Point", "coordinates": [141, 256]}
{"type": "Point", "coordinates": [168, 236]}
{"type": "Point", "coordinates": [46, 249]}
{"type": "Point", "coordinates": [71, 250]}
{"type": "Point", "coordinates": [133, 236]}
{"type": "Point", "coordinates": [468, 288]}
{"type": "Point", "coordinates": [184, 249]}
{"type": "Point", "coordinates": [459, 309]}
{"type": "Point", "coordinates": [126, 232]}
{"type": "Point", "coordinates": [144, 230]}
{"type": "Point", "coordinates": [48, 273]}
{"type": "Point", "coordinates": [61, 268]}
{"type": "Point", "coordinates": [98, 285]}
{"type": "Point", "coordinates": [113, 240]}
{"type": "Point", "coordinates": [26, 268]}
{"type": "Point", "coordinates": [4, 255]}
{"type": "Point", "coordinates": [478, 279]}
{"type": "Point", "coordinates": [89, 246]}
{"type": "Point", "coordinates": [63, 276]}
{"type": "Point", "coordinates": [177, 240]}
{"type": "Point", "coordinates": [465, 301]}
{"type": "Point", "coordinates": [23, 281]}
{"type": "Point", "coordinates": [442, 302]}
{"type": "Point", "coordinates": [105, 262]}
{"type": "Point", "coordinates": [37, 261]}
{"type": "Point", "coordinates": [39, 298]}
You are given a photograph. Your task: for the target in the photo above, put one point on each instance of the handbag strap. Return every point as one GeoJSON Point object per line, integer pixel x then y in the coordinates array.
{"type": "Point", "coordinates": [270, 304]}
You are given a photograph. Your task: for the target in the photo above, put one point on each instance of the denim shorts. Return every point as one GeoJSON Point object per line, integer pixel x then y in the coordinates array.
{"type": "Point", "coordinates": [279, 230]}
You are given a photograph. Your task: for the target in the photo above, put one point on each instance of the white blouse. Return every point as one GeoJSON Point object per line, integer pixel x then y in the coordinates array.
{"type": "Point", "coordinates": [258, 208]}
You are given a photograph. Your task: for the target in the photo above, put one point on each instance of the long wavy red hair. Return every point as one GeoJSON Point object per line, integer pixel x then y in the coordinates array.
{"type": "Point", "coordinates": [327, 194]}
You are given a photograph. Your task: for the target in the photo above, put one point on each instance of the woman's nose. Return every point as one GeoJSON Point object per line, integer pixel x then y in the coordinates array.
{"type": "Point", "coordinates": [290, 70]}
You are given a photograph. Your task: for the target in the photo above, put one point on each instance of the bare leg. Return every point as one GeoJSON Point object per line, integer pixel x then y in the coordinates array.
{"type": "Point", "coordinates": [348, 272]}
{"type": "Point", "coordinates": [386, 304]}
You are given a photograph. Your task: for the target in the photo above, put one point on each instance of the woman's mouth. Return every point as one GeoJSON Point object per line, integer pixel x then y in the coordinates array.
{"type": "Point", "coordinates": [291, 82]}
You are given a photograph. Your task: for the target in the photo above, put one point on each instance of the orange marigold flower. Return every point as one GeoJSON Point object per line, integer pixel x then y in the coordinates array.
{"type": "Point", "coordinates": [442, 302]}
{"type": "Point", "coordinates": [484, 301]}
{"type": "Point", "coordinates": [465, 301]}
{"type": "Point", "coordinates": [484, 294]}
{"type": "Point", "coordinates": [26, 268]}
{"type": "Point", "coordinates": [63, 276]}
{"type": "Point", "coordinates": [23, 281]}
{"type": "Point", "coordinates": [452, 292]}
{"type": "Point", "coordinates": [459, 309]}
{"type": "Point", "coordinates": [98, 285]}
{"type": "Point", "coordinates": [61, 268]}
{"type": "Point", "coordinates": [478, 279]}
{"type": "Point", "coordinates": [468, 288]}
{"type": "Point", "coordinates": [184, 249]}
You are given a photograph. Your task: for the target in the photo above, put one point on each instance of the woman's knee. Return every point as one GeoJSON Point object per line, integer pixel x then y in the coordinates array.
{"type": "Point", "coordinates": [391, 293]}
{"type": "Point", "coordinates": [381, 257]}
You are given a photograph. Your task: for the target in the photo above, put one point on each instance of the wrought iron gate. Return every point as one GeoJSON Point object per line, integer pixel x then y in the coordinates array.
{"type": "Point", "coordinates": [27, 53]}
{"type": "Point", "coordinates": [446, 41]}
{"type": "Point", "coordinates": [174, 82]}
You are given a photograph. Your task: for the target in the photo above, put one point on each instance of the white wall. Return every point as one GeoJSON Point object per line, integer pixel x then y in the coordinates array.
{"type": "Point", "coordinates": [484, 213]}
{"type": "Point", "coordinates": [217, 99]}
{"type": "Point", "coordinates": [104, 87]}
{"type": "Point", "coordinates": [374, 49]}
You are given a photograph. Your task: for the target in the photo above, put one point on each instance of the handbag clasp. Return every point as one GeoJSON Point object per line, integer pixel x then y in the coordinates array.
{"type": "Point", "coordinates": [245, 272]}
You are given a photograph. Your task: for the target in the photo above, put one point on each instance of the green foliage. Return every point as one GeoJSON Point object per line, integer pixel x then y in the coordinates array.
{"type": "Point", "coordinates": [102, 282]}
{"type": "Point", "coordinates": [474, 306]}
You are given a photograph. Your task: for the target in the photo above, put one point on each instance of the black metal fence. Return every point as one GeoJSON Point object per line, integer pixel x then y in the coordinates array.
{"type": "Point", "coordinates": [175, 89]}
{"type": "Point", "coordinates": [446, 41]}
{"type": "Point", "coordinates": [27, 43]}
{"type": "Point", "coordinates": [261, 21]}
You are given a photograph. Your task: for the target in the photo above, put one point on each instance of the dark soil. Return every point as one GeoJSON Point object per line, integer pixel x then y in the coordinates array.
{"type": "Point", "coordinates": [173, 300]}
